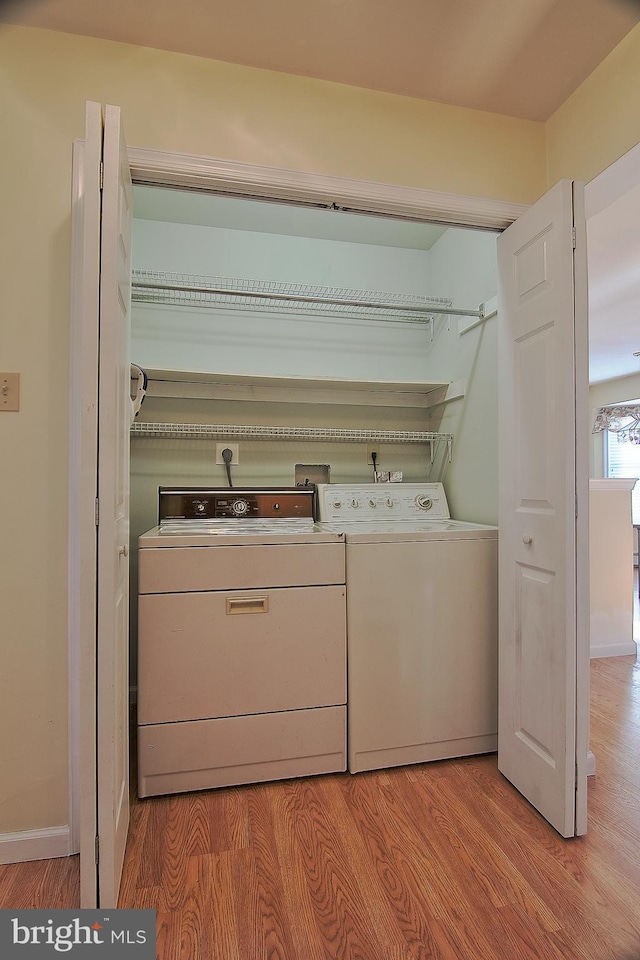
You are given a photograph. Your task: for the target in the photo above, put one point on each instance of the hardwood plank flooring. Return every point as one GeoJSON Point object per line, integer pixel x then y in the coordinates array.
{"type": "Point", "coordinates": [440, 861]}
{"type": "Point", "coordinates": [53, 884]}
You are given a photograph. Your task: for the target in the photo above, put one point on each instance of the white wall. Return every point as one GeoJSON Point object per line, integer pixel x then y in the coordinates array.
{"type": "Point", "coordinates": [461, 266]}
{"type": "Point", "coordinates": [277, 345]}
{"type": "Point", "coordinates": [611, 568]}
{"type": "Point", "coordinates": [463, 262]}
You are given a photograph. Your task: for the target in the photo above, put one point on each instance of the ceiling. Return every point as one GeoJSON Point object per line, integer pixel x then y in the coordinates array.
{"type": "Point", "coordinates": [522, 58]}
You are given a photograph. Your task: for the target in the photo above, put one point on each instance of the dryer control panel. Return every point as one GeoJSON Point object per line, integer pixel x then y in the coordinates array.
{"type": "Point", "coordinates": [381, 501]}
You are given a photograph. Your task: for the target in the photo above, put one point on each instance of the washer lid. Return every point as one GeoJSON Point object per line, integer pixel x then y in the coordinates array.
{"type": "Point", "coordinates": [371, 531]}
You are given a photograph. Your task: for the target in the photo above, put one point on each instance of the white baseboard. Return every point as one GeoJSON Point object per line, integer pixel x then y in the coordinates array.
{"type": "Point", "coordinates": [36, 844]}
{"type": "Point", "coordinates": [624, 649]}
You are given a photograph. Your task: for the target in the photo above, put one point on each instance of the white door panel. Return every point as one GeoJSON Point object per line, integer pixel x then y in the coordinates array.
{"type": "Point", "coordinates": [113, 493]}
{"type": "Point", "coordinates": [538, 527]}
{"type": "Point", "coordinates": [83, 482]}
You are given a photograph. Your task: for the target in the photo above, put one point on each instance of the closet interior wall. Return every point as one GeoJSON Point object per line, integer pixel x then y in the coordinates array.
{"type": "Point", "coordinates": [460, 266]}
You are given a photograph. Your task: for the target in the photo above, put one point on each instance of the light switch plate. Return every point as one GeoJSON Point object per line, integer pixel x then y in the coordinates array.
{"type": "Point", "coordinates": [10, 391]}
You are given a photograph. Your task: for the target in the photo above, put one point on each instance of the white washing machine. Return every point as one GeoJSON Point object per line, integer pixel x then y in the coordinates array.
{"type": "Point", "coordinates": [422, 632]}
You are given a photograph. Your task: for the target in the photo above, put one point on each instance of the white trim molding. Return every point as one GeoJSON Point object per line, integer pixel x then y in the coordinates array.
{"type": "Point", "coordinates": [42, 844]}
{"type": "Point", "coordinates": [625, 648]}
{"type": "Point", "coordinates": [611, 484]}
{"type": "Point", "coordinates": [156, 167]}
{"type": "Point", "coordinates": [613, 183]}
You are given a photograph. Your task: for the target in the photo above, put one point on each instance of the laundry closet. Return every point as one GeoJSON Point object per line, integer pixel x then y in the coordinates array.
{"type": "Point", "coordinates": [302, 339]}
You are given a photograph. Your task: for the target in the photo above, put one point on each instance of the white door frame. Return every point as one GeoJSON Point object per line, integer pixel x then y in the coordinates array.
{"type": "Point", "coordinates": [613, 183]}
{"type": "Point", "coordinates": [156, 167]}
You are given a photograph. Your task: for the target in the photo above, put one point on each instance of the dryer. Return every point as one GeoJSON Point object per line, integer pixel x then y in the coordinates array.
{"type": "Point", "coordinates": [241, 642]}
{"type": "Point", "coordinates": [422, 633]}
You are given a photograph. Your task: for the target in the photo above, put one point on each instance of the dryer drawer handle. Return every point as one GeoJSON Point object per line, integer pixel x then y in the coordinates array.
{"type": "Point", "coordinates": [247, 605]}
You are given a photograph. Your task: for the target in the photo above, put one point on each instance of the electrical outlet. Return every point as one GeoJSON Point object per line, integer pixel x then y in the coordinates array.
{"type": "Point", "coordinates": [10, 391]}
{"type": "Point", "coordinates": [371, 449]}
{"type": "Point", "coordinates": [235, 450]}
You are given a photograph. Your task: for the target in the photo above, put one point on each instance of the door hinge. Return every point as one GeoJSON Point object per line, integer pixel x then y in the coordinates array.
{"type": "Point", "coordinates": [576, 506]}
{"type": "Point", "coordinates": [102, 178]}
{"type": "Point", "coordinates": [97, 511]}
{"type": "Point", "coordinates": [573, 237]}
{"type": "Point", "coordinates": [97, 850]}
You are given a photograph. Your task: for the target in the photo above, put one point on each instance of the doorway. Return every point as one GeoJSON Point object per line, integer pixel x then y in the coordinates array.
{"type": "Point", "coordinates": [397, 201]}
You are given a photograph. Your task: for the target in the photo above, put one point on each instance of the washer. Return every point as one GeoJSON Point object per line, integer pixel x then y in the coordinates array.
{"type": "Point", "coordinates": [421, 624]}
{"type": "Point", "coordinates": [241, 642]}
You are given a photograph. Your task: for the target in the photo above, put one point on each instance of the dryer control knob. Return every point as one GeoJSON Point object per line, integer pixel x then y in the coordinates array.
{"type": "Point", "coordinates": [240, 507]}
{"type": "Point", "coordinates": [425, 503]}
{"type": "Point", "coordinates": [354, 503]}
{"type": "Point", "coordinates": [389, 502]}
{"type": "Point", "coordinates": [337, 504]}
{"type": "Point", "coordinates": [373, 504]}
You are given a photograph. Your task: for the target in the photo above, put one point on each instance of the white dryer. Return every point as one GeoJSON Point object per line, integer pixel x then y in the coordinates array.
{"type": "Point", "coordinates": [241, 641]}
{"type": "Point", "coordinates": [422, 635]}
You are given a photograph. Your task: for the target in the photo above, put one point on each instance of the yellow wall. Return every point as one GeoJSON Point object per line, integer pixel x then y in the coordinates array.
{"type": "Point", "coordinates": [600, 121]}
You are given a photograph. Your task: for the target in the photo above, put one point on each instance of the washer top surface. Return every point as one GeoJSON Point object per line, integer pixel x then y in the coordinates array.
{"type": "Point", "coordinates": [373, 512]}
{"type": "Point", "coordinates": [385, 531]}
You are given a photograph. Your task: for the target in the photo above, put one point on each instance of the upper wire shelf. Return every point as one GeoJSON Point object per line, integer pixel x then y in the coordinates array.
{"type": "Point", "coordinates": [254, 432]}
{"type": "Point", "coordinates": [208, 431]}
{"type": "Point", "coordinates": [181, 289]}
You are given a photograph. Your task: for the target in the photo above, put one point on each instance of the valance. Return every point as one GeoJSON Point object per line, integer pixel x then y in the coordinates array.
{"type": "Point", "coordinates": [622, 419]}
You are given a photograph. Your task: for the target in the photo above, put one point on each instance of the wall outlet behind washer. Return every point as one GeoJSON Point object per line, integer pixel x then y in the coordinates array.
{"type": "Point", "coordinates": [235, 449]}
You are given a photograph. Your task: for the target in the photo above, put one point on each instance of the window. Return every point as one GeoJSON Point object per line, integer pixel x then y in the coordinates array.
{"type": "Point", "coordinates": [623, 461]}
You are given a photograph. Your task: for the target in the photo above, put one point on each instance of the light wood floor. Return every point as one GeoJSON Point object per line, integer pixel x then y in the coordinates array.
{"type": "Point", "coordinates": [443, 860]}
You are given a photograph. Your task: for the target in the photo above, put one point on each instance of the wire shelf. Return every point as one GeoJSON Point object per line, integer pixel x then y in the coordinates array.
{"type": "Point", "coordinates": [180, 289]}
{"type": "Point", "coordinates": [198, 431]}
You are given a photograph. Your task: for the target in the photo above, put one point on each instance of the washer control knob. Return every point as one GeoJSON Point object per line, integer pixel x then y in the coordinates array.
{"type": "Point", "coordinates": [276, 506]}
{"type": "Point", "coordinates": [373, 504]}
{"type": "Point", "coordinates": [240, 507]}
{"type": "Point", "coordinates": [389, 502]}
{"type": "Point", "coordinates": [199, 506]}
{"type": "Point", "coordinates": [337, 504]}
{"type": "Point", "coordinates": [424, 503]}
{"type": "Point", "coordinates": [355, 504]}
